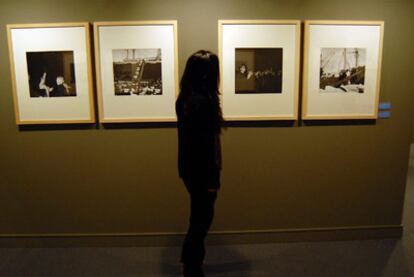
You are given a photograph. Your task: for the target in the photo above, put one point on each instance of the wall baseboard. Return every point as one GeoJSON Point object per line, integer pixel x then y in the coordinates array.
{"type": "Point", "coordinates": [214, 238]}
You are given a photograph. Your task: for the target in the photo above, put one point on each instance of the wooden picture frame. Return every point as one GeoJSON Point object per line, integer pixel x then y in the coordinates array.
{"type": "Point", "coordinates": [348, 89]}
{"type": "Point", "coordinates": [63, 52]}
{"type": "Point", "coordinates": [259, 39]}
{"type": "Point", "coordinates": [136, 105]}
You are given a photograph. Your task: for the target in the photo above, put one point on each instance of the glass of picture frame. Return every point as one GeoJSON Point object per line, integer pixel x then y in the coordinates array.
{"type": "Point", "coordinates": [137, 70]}
{"type": "Point", "coordinates": [51, 73]}
{"type": "Point", "coordinates": [259, 69]}
{"type": "Point", "coordinates": [342, 69]}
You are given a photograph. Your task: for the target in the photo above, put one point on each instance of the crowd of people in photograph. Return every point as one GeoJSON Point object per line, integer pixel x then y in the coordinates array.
{"type": "Point", "coordinates": [139, 77]}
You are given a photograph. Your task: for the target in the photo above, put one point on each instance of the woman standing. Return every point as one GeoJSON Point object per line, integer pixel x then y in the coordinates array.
{"type": "Point", "coordinates": [199, 156]}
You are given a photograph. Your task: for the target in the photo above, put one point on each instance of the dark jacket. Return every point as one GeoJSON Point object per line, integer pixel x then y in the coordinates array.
{"type": "Point", "coordinates": [199, 151]}
{"type": "Point", "coordinates": [58, 91]}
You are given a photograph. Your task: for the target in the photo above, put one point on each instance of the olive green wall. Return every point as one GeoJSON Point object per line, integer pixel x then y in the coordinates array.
{"type": "Point", "coordinates": [123, 179]}
{"type": "Point", "coordinates": [412, 133]}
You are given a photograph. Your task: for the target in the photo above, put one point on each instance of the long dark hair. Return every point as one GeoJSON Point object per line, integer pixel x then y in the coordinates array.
{"type": "Point", "coordinates": [202, 76]}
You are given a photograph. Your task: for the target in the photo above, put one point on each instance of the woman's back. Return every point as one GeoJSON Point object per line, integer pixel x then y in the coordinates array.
{"type": "Point", "coordinates": [197, 149]}
{"type": "Point", "coordinates": [199, 123]}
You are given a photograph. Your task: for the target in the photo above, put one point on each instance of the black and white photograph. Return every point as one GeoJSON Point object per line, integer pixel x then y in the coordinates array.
{"type": "Point", "coordinates": [51, 70]}
{"type": "Point", "coordinates": [342, 70]}
{"type": "Point", "coordinates": [137, 71]}
{"type": "Point", "coordinates": [258, 70]}
{"type": "Point", "coordinates": [51, 74]}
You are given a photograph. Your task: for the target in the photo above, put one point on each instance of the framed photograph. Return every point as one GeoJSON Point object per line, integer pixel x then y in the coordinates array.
{"type": "Point", "coordinates": [51, 73]}
{"type": "Point", "coordinates": [137, 70]}
{"type": "Point", "coordinates": [259, 69]}
{"type": "Point", "coordinates": [342, 69]}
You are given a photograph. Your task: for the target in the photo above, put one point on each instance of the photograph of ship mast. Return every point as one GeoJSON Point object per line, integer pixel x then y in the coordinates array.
{"type": "Point", "coordinates": [342, 70]}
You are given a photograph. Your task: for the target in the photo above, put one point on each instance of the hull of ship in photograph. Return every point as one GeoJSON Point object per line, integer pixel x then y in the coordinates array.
{"type": "Point", "coordinates": [258, 70]}
{"type": "Point", "coordinates": [137, 72]}
{"type": "Point", "coordinates": [51, 74]}
{"type": "Point", "coordinates": [342, 70]}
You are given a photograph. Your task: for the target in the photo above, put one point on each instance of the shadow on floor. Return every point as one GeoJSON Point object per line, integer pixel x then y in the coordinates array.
{"type": "Point", "coordinates": [227, 261]}
{"type": "Point", "coordinates": [349, 258]}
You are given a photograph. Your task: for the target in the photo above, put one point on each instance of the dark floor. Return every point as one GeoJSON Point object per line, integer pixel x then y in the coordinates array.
{"type": "Point", "coordinates": [387, 257]}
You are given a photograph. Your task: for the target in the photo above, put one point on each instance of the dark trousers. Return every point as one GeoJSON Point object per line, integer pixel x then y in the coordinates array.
{"type": "Point", "coordinates": [202, 213]}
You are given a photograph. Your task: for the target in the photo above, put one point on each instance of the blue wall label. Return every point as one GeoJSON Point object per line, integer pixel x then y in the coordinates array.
{"type": "Point", "coordinates": [385, 106]}
{"type": "Point", "coordinates": [384, 114]}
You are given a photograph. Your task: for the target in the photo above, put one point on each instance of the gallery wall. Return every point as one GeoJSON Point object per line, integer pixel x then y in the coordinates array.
{"type": "Point", "coordinates": [412, 134]}
{"type": "Point", "coordinates": [117, 179]}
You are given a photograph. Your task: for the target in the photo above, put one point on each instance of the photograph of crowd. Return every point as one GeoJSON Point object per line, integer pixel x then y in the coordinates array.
{"type": "Point", "coordinates": [342, 70]}
{"type": "Point", "coordinates": [258, 70]}
{"type": "Point", "coordinates": [51, 74]}
{"type": "Point", "coordinates": [137, 71]}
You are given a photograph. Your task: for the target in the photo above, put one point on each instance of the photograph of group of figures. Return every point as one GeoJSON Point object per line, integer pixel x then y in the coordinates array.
{"type": "Point", "coordinates": [268, 69]}
{"type": "Point", "coordinates": [258, 70]}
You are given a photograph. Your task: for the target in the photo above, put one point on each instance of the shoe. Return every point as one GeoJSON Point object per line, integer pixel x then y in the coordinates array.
{"type": "Point", "coordinates": [193, 271]}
